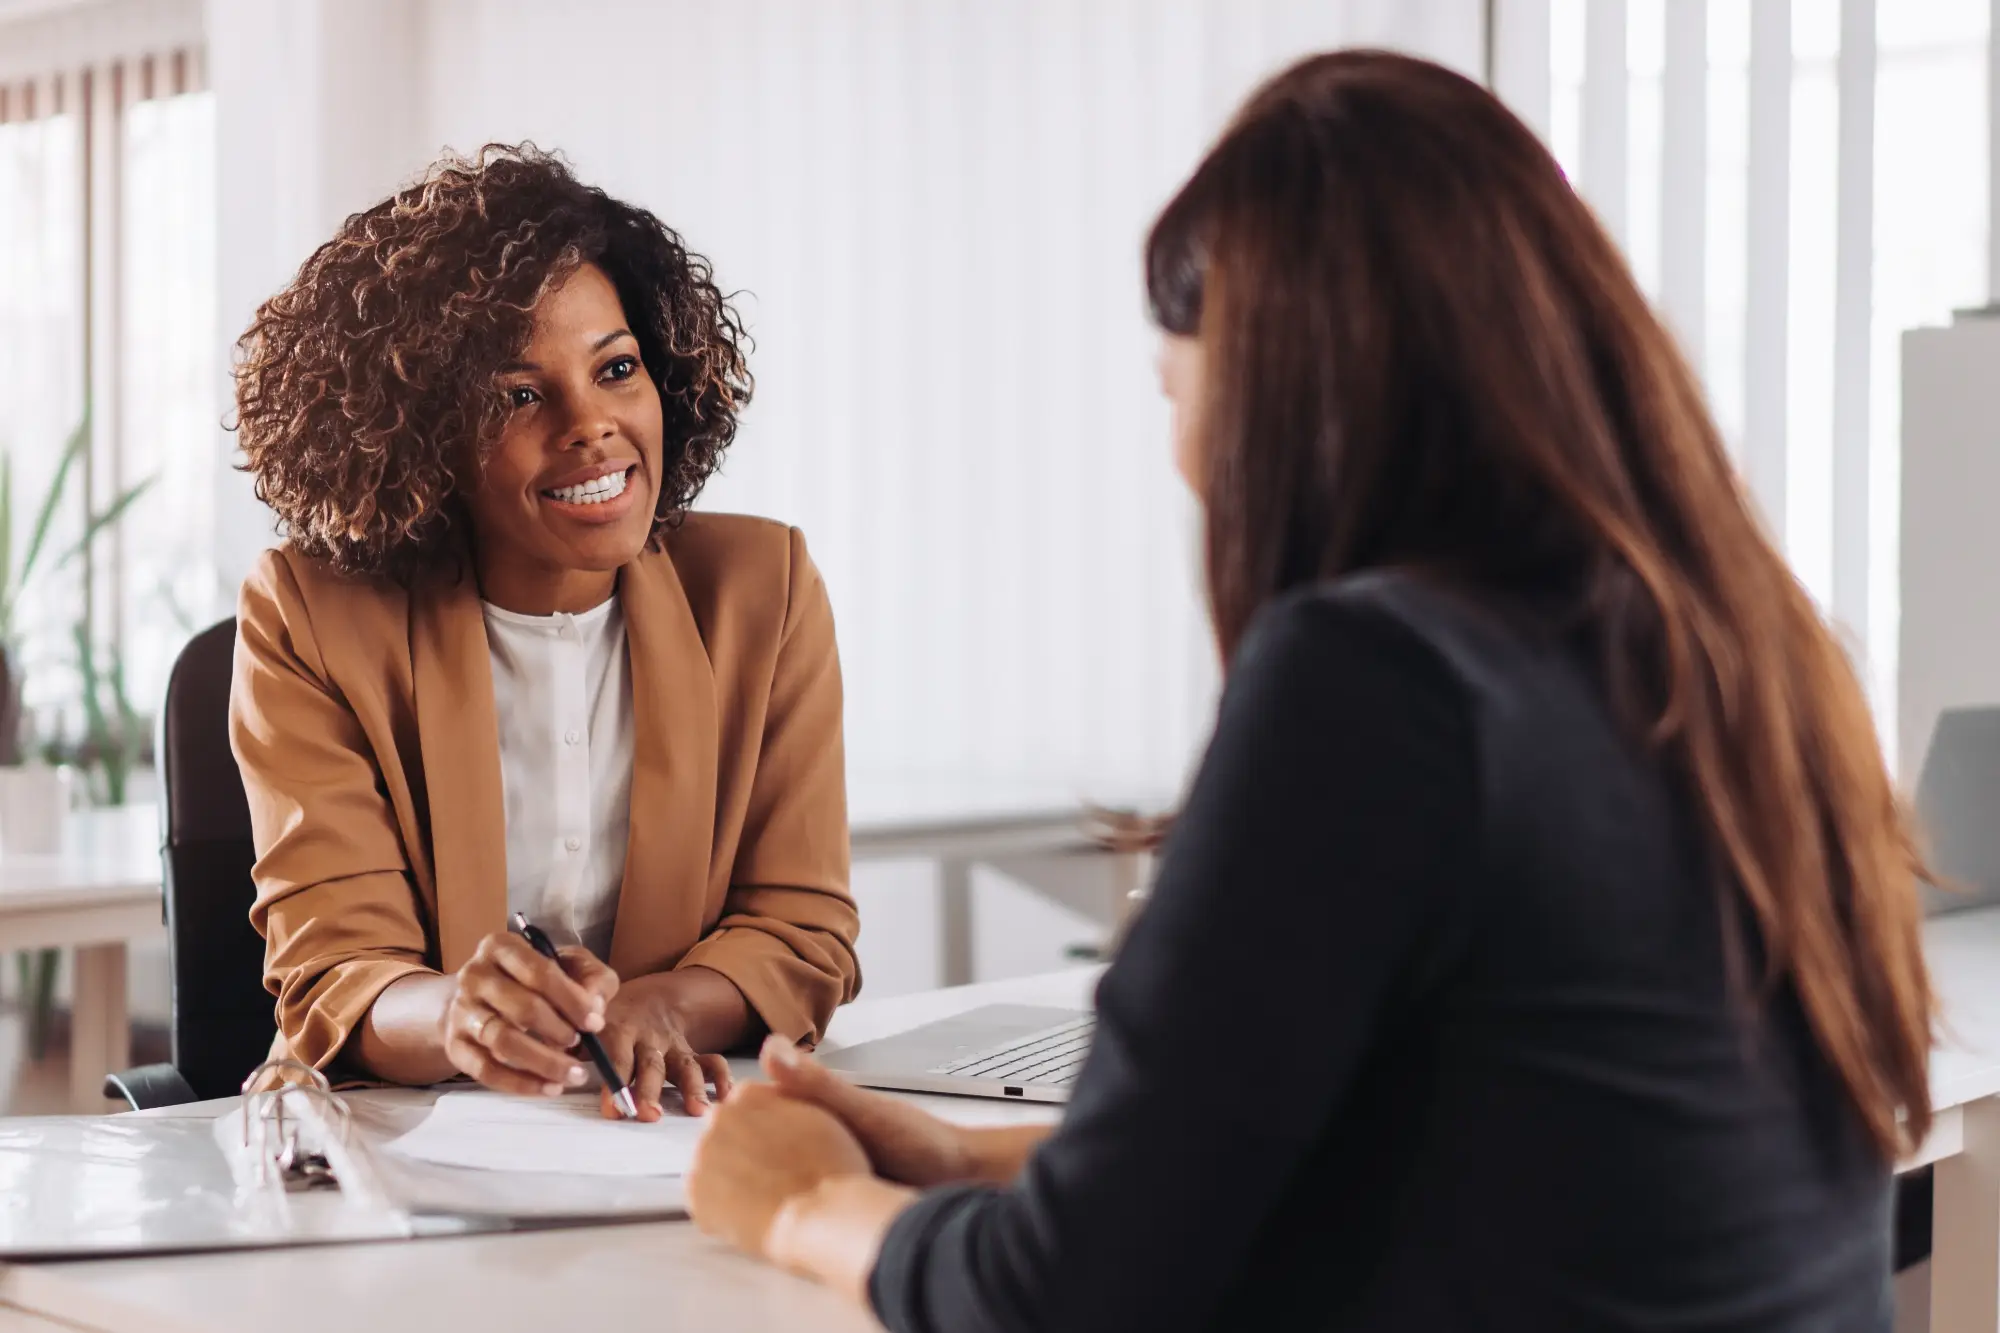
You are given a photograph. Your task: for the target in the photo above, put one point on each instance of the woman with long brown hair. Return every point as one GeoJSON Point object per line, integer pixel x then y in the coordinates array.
{"type": "Point", "coordinates": [1538, 947]}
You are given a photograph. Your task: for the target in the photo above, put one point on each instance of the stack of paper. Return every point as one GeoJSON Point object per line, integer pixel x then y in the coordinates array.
{"type": "Point", "coordinates": [489, 1131]}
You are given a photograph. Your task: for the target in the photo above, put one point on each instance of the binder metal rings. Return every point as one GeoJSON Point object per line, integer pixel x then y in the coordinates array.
{"type": "Point", "coordinates": [282, 1098]}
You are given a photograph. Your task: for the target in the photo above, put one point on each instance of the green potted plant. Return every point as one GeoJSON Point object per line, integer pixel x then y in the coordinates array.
{"type": "Point", "coordinates": [33, 795]}
{"type": "Point", "coordinates": [18, 577]}
{"type": "Point", "coordinates": [116, 736]}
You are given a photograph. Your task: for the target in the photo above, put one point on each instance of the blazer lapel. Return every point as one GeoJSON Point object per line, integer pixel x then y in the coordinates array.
{"type": "Point", "coordinates": [460, 736]}
{"type": "Point", "coordinates": [664, 899]}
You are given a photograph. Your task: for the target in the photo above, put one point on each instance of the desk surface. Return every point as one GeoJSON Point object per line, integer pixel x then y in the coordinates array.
{"type": "Point", "coordinates": [662, 1275]}
{"type": "Point", "coordinates": [586, 1278]}
{"type": "Point", "coordinates": [598, 1277]}
{"type": "Point", "coordinates": [1963, 950]}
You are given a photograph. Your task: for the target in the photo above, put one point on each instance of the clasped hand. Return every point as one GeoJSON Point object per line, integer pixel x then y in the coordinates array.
{"type": "Point", "coordinates": [808, 1169]}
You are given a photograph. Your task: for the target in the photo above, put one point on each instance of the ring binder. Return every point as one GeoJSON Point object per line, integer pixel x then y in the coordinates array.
{"type": "Point", "coordinates": [256, 1175]}
{"type": "Point", "coordinates": [272, 1145]}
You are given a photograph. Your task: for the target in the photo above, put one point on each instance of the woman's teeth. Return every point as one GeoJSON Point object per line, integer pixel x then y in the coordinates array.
{"type": "Point", "coordinates": [608, 487]}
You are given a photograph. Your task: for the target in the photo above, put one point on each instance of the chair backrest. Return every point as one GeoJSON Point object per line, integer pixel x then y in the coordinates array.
{"type": "Point", "coordinates": [222, 1015]}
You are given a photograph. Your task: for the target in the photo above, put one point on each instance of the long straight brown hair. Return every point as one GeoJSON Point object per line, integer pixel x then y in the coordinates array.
{"type": "Point", "coordinates": [1422, 349]}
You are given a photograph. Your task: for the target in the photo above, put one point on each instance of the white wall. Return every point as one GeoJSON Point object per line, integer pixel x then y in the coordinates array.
{"type": "Point", "coordinates": [935, 209]}
{"type": "Point", "coordinates": [314, 116]}
{"type": "Point", "coordinates": [934, 212]}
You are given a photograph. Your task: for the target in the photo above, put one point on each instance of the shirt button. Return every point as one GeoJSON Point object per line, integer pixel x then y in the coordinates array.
{"type": "Point", "coordinates": [572, 737]}
{"type": "Point", "coordinates": [573, 842]}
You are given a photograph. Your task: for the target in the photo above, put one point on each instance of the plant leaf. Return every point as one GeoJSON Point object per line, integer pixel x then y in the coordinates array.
{"type": "Point", "coordinates": [6, 547]}
{"type": "Point", "coordinates": [95, 724]}
{"type": "Point", "coordinates": [125, 748]}
{"type": "Point", "coordinates": [79, 440]}
{"type": "Point", "coordinates": [131, 732]}
{"type": "Point", "coordinates": [100, 521]}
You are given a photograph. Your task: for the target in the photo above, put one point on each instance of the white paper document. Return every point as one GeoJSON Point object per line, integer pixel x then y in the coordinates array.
{"type": "Point", "coordinates": [492, 1131]}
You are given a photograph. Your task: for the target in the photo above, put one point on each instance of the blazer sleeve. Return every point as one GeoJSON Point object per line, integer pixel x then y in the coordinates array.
{"type": "Point", "coordinates": [787, 931]}
{"type": "Point", "coordinates": [335, 903]}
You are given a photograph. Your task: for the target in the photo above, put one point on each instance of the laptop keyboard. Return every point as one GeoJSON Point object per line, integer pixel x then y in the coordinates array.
{"type": "Point", "coordinates": [1051, 1056]}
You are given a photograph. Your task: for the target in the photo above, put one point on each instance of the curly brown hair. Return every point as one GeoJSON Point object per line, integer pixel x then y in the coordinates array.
{"type": "Point", "coordinates": [366, 394]}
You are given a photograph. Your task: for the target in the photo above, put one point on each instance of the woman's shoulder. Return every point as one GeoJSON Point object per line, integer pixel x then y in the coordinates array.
{"type": "Point", "coordinates": [287, 588]}
{"type": "Point", "coordinates": [740, 543]}
{"type": "Point", "coordinates": [1426, 642]}
{"type": "Point", "coordinates": [1481, 641]}
{"type": "Point", "coordinates": [737, 559]}
{"type": "Point", "coordinates": [747, 582]}
{"type": "Point", "coordinates": [1343, 640]}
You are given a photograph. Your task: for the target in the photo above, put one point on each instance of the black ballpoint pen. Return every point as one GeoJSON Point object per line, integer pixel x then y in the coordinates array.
{"type": "Point", "coordinates": [621, 1096]}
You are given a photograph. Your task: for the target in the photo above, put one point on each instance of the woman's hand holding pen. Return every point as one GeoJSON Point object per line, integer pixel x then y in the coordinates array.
{"type": "Point", "coordinates": [513, 1018]}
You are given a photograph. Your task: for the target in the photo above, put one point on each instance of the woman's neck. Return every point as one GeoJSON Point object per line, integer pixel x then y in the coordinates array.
{"type": "Point", "coordinates": [545, 592]}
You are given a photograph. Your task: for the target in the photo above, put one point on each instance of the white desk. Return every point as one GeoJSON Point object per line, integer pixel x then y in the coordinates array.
{"type": "Point", "coordinates": [100, 893]}
{"type": "Point", "coordinates": [601, 1277]}
{"type": "Point", "coordinates": [662, 1274]}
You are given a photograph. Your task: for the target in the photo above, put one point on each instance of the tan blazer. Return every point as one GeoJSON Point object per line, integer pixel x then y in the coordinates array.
{"type": "Point", "coordinates": [362, 717]}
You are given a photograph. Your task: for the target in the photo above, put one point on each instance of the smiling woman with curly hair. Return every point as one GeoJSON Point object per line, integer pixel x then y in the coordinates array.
{"type": "Point", "coordinates": [498, 667]}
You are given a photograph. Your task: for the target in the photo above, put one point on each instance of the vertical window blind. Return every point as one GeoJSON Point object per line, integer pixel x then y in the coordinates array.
{"type": "Point", "coordinates": [108, 252]}
{"type": "Point", "coordinates": [1796, 182]}
{"type": "Point", "coordinates": [955, 192]}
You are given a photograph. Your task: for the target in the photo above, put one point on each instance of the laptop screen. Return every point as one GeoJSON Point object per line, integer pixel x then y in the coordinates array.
{"type": "Point", "coordinates": [1958, 809]}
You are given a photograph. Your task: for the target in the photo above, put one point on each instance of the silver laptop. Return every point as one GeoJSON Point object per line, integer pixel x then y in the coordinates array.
{"type": "Point", "coordinates": [1958, 796]}
{"type": "Point", "coordinates": [1016, 1051]}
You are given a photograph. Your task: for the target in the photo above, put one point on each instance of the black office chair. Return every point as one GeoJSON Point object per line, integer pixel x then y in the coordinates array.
{"type": "Point", "coordinates": [222, 1015]}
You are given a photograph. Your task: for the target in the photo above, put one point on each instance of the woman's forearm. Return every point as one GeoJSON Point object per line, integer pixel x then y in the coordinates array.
{"type": "Point", "coordinates": [713, 1013]}
{"type": "Point", "coordinates": [401, 1039]}
{"type": "Point", "coordinates": [833, 1232]}
{"type": "Point", "coordinates": [994, 1155]}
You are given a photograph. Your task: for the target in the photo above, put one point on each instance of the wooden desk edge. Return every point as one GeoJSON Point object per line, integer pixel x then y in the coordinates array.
{"type": "Point", "coordinates": [44, 1292]}
{"type": "Point", "coordinates": [1946, 1139]}
{"type": "Point", "coordinates": [15, 1319]}
{"type": "Point", "coordinates": [67, 925]}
